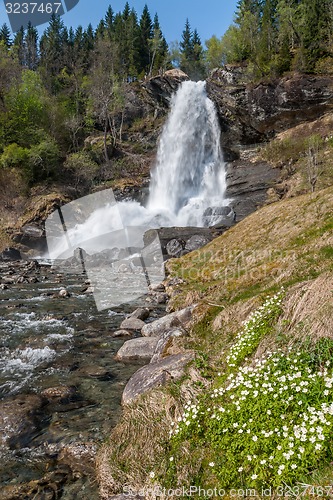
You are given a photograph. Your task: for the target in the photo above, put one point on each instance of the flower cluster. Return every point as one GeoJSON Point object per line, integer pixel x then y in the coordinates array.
{"type": "Point", "coordinates": [254, 328]}
{"type": "Point", "coordinates": [270, 423]}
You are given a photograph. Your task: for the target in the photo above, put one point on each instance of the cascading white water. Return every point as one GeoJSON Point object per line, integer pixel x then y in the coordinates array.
{"type": "Point", "coordinates": [189, 175]}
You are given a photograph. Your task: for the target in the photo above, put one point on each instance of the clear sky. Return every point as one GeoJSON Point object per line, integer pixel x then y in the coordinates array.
{"type": "Point", "coordinates": [210, 17]}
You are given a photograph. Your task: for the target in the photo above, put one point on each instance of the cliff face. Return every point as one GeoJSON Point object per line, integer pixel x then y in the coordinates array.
{"type": "Point", "coordinates": [252, 113]}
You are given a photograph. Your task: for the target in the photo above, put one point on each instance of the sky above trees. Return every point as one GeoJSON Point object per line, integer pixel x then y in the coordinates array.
{"type": "Point", "coordinates": [211, 17]}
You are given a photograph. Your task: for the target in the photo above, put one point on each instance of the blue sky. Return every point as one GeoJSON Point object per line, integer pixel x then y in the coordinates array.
{"type": "Point", "coordinates": [210, 17]}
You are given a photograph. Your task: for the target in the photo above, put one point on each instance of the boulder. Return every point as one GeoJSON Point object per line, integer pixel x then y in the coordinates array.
{"type": "Point", "coordinates": [164, 342]}
{"type": "Point", "coordinates": [175, 247]}
{"type": "Point", "coordinates": [132, 324]}
{"type": "Point", "coordinates": [196, 241]}
{"type": "Point", "coordinates": [155, 375]}
{"type": "Point", "coordinates": [10, 254]}
{"type": "Point", "coordinates": [139, 348]}
{"type": "Point", "coordinates": [80, 457]}
{"type": "Point", "coordinates": [140, 313]}
{"type": "Point", "coordinates": [176, 319]}
{"type": "Point", "coordinates": [20, 419]}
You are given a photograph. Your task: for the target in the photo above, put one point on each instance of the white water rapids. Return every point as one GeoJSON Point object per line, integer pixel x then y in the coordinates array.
{"type": "Point", "coordinates": [189, 177]}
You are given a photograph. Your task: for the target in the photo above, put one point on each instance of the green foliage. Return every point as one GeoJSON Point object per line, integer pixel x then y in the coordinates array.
{"type": "Point", "coordinates": [191, 53]}
{"type": "Point", "coordinates": [82, 168]}
{"type": "Point", "coordinates": [274, 36]}
{"type": "Point", "coordinates": [44, 159]}
{"type": "Point", "coordinates": [14, 156]}
{"type": "Point", "coordinates": [255, 328]}
{"type": "Point", "coordinates": [265, 424]}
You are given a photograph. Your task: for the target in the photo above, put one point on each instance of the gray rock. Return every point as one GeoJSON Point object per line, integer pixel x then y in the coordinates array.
{"type": "Point", "coordinates": [157, 288]}
{"type": "Point", "coordinates": [140, 313]}
{"type": "Point", "coordinates": [164, 342]}
{"type": "Point", "coordinates": [10, 254]}
{"type": "Point", "coordinates": [19, 419]}
{"type": "Point", "coordinates": [132, 324]}
{"type": "Point", "coordinates": [196, 241]}
{"type": "Point", "coordinates": [63, 293]}
{"type": "Point", "coordinates": [154, 375]}
{"type": "Point", "coordinates": [174, 248]}
{"type": "Point", "coordinates": [176, 319]}
{"type": "Point", "coordinates": [121, 333]}
{"type": "Point", "coordinates": [80, 457]}
{"type": "Point", "coordinates": [140, 348]}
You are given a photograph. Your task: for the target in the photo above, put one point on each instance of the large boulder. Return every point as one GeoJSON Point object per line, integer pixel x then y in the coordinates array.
{"type": "Point", "coordinates": [132, 324]}
{"type": "Point", "coordinates": [164, 343]}
{"type": "Point", "coordinates": [139, 348]}
{"type": "Point", "coordinates": [10, 254]}
{"type": "Point", "coordinates": [155, 375]}
{"type": "Point", "coordinates": [176, 319]}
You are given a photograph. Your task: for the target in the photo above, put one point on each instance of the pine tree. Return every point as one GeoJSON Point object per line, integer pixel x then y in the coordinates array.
{"type": "Point", "coordinates": [5, 36]}
{"type": "Point", "coordinates": [146, 33]}
{"type": "Point", "coordinates": [186, 44]}
{"type": "Point", "coordinates": [52, 51]}
{"type": "Point", "coordinates": [31, 47]}
{"type": "Point", "coordinates": [19, 46]}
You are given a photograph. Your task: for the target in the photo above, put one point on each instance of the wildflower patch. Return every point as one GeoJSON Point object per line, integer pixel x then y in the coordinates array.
{"type": "Point", "coordinates": [269, 424]}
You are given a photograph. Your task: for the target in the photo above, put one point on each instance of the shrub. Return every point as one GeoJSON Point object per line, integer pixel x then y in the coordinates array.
{"type": "Point", "coordinates": [14, 156]}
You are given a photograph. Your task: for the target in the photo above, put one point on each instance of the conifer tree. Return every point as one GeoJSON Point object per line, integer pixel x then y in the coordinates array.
{"type": "Point", "coordinates": [31, 47]}
{"type": "Point", "coordinates": [5, 36]}
{"type": "Point", "coordinates": [145, 33]}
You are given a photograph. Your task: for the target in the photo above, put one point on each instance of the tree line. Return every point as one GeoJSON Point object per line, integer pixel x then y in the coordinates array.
{"type": "Point", "coordinates": [58, 88]}
{"type": "Point", "coordinates": [275, 36]}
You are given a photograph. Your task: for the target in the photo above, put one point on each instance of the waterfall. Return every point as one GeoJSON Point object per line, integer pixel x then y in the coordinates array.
{"type": "Point", "coordinates": [189, 175]}
{"type": "Point", "coordinates": [187, 185]}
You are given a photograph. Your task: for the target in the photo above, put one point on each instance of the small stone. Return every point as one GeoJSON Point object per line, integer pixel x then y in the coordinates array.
{"type": "Point", "coordinates": [59, 392]}
{"type": "Point", "coordinates": [140, 313]}
{"type": "Point", "coordinates": [121, 333]}
{"type": "Point", "coordinates": [157, 288]}
{"type": "Point", "coordinates": [63, 293]}
{"type": "Point", "coordinates": [132, 324]}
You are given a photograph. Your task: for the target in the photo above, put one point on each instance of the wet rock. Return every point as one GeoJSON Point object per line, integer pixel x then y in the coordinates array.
{"type": "Point", "coordinates": [10, 254]}
{"type": "Point", "coordinates": [3, 287]}
{"type": "Point", "coordinates": [176, 319]}
{"type": "Point", "coordinates": [164, 342]}
{"type": "Point", "coordinates": [140, 313]}
{"type": "Point", "coordinates": [154, 375]}
{"type": "Point", "coordinates": [132, 324]}
{"type": "Point", "coordinates": [174, 248]}
{"type": "Point", "coordinates": [8, 280]}
{"type": "Point", "coordinates": [62, 392]}
{"type": "Point", "coordinates": [79, 254]}
{"type": "Point", "coordinates": [63, 293]}
{"type": "Point", "coordinates": [49, 487]}
{"type": "Point", "coordinates": [20, 418]}
{"type": "Point", "coordinates": [140, 348]}
{"type": "Point", "coordinates": [162, 87]}
{"type": "Point", "coordinates": [157, 288]}
{"type": "Point", "coordinates": [95, 371]}
{"type": "Point", "coordinates": [196, 241]}
{"type": "Point", "coordinates": [121, 333]}
{"type": "Point", "coordinates": [80, 457]}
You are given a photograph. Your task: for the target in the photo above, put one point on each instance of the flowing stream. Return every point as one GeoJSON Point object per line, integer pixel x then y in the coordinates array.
{"type": "Point", "coordinates": [49, 342]}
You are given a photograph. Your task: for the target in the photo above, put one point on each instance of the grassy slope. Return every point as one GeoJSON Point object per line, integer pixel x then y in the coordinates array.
{"type": "Point", "coordinates": [287, 243]}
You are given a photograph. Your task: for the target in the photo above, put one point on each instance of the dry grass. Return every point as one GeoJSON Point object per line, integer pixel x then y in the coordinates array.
{"type": "Point", "coordinates": [136, 445]}
{"type": "Point", "coordinates": [277, 244]}
{"type": "Point", "coordinates": [308, 309]}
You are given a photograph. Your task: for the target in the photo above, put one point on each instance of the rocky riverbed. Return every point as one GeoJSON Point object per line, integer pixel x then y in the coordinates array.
{"type": "Point", "coordinates": [60, 383]}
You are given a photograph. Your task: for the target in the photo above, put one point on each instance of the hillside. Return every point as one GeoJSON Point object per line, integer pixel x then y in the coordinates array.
{"type": "Point", "coordinates": [286, 244]}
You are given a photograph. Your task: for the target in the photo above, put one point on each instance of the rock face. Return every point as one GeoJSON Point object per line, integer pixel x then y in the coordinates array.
{"type": "Point", "coordinates": [161, 88]}
{"type": "Point", "coordinates": [154, 375]}
{"type": "Point", "coordinates": [252, 113]}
